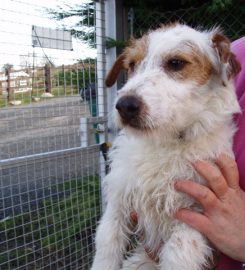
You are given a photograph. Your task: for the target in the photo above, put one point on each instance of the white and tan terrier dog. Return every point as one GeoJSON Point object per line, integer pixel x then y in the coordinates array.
{"type": "Point", "coordinates": [176, 107]}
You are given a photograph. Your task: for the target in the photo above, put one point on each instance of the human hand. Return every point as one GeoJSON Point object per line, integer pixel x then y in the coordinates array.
{"type": "Point", "coordinates": [223, 201]}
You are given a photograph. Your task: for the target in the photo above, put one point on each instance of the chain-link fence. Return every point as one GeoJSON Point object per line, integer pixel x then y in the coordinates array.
{"type": "Point", "coordinates": [230, 19]}
{"type": "Point", "coordinates": [53, 124]}
{"type": "Point", "coordinates": [51, 102]}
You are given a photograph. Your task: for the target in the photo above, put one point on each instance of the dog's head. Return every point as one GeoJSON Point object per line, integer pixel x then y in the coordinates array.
{"type": "Point", "coordinates": [177, 77]}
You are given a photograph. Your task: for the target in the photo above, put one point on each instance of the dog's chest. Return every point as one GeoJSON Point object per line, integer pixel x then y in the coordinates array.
{"type": "Point", "coordinates": [145, 184]}
{"type": "Point", "coordinates": [146, 176]}
{"type": "Point", "coordinates": [150, 185]}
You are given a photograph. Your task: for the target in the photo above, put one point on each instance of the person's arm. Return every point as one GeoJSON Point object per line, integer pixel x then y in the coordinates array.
{"type": "Point", "coordinates": [223, 219]}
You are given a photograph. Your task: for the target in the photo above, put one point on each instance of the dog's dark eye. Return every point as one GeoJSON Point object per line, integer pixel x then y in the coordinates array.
{"type": "Point", "coordinates": [176, 64]}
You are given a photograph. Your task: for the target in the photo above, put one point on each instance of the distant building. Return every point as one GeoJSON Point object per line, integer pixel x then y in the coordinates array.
{"type": "Point", "coordinates": [20, 81]}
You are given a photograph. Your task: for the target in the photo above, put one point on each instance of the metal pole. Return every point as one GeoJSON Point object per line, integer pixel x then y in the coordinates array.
{"type": "Point", "coordinates": [102, 109]}
{"type": "Point", "coordinates": [111, 55]}
{"type": "Point", "coordinates": [9, 89]}
{"type": "Point", "coordinates": [131, 19]}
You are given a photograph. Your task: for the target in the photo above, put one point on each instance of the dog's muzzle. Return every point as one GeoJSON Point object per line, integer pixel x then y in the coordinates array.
{"type": "Point", "coordinates": [129, 108]}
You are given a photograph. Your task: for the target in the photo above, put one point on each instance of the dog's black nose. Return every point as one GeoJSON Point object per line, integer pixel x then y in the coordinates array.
{"type": "Point", "coordinates": [128, 107]}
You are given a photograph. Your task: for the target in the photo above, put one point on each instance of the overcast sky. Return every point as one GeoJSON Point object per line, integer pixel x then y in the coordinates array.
{"type": "Point", "coordinates": [16, 20]}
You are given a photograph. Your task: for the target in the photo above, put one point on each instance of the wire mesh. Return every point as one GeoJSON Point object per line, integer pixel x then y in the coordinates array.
{"type": "Point", "coordinates": [230, 19]}
{"type": "Point", "coordinates": [50, 160]}
{"type": "Point", "coordinates": [140, 20]}
{"type": "Point", "coordinates": [51, 206]}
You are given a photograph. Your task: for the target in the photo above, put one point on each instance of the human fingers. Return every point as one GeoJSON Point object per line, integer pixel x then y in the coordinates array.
{"type": "Point", "coordinates": [213, 176]}
{"type": "Point", "coordinates": [229, 170]}
{"type": "Point", "coordinates": [196, 220]}
{"type": "Point", "coordinates": [200, 193]}
{"type": "Point", "coordinates": [224, 228]}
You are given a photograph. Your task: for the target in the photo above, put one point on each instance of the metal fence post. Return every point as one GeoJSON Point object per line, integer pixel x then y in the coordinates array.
{"type": "Point", "coordinates": [48, 78]}
{"type": "Point", "coordinates": [102, 109]}
{"type": "Point", "coordinates": [64, 78]}
{"type": "Point", "coordinates": [9, 89]}
{"type": "Point", "coordinates": [84, 131]}
{"type": "Point", "coordinates": [116, 29]}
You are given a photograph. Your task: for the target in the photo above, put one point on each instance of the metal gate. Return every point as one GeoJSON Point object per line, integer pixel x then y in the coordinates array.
{"type": "Point", "coordinates": [52, 126]}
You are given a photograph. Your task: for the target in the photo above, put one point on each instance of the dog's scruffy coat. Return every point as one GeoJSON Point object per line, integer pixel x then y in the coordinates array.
{"type": "Point", "coordinates": [176, 107]}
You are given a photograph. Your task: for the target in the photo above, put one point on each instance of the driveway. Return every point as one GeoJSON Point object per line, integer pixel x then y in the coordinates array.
{"type": "Point", "coordinates": [31, 131]}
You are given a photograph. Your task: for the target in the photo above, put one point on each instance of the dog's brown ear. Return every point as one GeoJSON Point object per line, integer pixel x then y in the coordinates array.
{"type": "Point", "coordinates": [222, 45]}
{"type": "Point", "coordinates": [113, 73]}
{"type": "Point", "coordinates": [234, 66]}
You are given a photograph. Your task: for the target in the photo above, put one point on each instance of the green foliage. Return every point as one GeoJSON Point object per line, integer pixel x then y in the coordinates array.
{"type": "Point", "coordinates": [110, 43]}
{"type": "Point", "coordinates": [151, 14]}
{"type": "Point", "coordinates": [178, 4]}
{"type": "Point", "coordinates": [228, 14]}
{"type": "Point", "coordinates": [90, 61]}
{"type": "Point", "coordinates": [159, 5]}
{"type": "Point", "coordinates": [81, 76]}
{"type": "Point", "coordinates": [219, 5]}
{"type": "Point", "coordinates": [60, 230]}
{"type": "Point", "coordinates": [75, 77]}
{"type": "Point", "coordinates": [84, 29]}
{"type": "Point", "coordinates": [66, 81]}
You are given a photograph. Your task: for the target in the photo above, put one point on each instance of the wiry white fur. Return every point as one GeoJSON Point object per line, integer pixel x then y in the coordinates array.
{"type": "Point", "coordinates": [145, 165]}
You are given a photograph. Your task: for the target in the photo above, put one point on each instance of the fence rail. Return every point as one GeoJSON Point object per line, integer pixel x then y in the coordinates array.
{"type": "Point", "coordinates": [31, 159]}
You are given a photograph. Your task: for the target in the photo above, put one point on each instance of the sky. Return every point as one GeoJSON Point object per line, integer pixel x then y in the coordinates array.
{"type": "Point", "coordinates": [16, 20]}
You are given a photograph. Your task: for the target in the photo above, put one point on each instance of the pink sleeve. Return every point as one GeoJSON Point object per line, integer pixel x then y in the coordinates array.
{"type": "Point", "coordinates": [238, 48]}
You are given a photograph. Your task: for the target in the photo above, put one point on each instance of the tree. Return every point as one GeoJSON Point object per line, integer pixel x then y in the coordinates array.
{"type": "Point", "coordinates": [7, 66]}
{"type": "Point", "coordinates": [167, 5]}
{"type": "Point", "coordinates": [228, 14]}
{"type": "Point", "coordinates": [171, 5]}
{"type": "Point", "coordinates": [84, 28]}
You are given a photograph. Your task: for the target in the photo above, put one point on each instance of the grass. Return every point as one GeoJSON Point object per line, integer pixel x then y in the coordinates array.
{"type": "Point", "coordinates": [66, 82]}
{"type": "Point", "coordinates": [59, 233]}
{"type": "Point", "coordinates": [26, 97]}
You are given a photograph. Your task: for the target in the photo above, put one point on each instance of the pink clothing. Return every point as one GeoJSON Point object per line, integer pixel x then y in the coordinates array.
{"type": "Point", "coordinates": [238, 48]}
